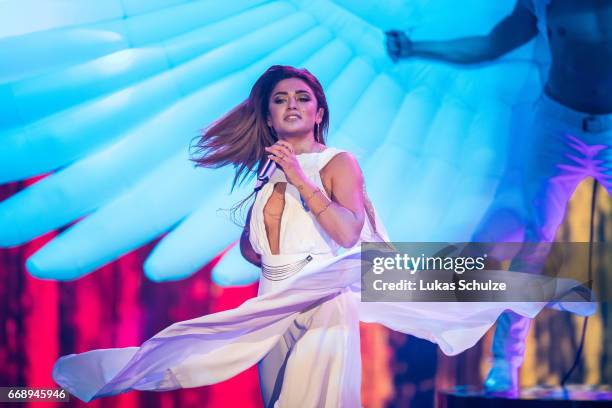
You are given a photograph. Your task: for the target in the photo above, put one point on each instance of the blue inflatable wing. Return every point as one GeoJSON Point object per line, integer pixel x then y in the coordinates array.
{"type": "Point", "coordinates": [106, 97]}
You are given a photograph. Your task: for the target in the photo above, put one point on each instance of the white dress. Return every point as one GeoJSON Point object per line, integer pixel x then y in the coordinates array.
{"type": "Point", "coordinates": [303, 328]}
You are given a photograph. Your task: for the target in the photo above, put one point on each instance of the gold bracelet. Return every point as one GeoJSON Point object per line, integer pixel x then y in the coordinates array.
{"type": "Point", "coordinates": [323, 210]}
{"type": "Point", "coordinates": [310, 196]}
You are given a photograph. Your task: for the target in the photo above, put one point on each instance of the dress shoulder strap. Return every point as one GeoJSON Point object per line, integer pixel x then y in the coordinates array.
{"type": "Point", "coordinates": [328, 154]}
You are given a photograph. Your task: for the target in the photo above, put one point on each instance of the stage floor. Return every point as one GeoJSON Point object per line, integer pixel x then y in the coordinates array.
{"type": "Point", "coordinates": [541, 397]}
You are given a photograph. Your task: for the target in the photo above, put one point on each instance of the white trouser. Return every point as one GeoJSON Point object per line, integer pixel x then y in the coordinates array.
{"type": "Point", "coordinates": [317, 362]}
{"type": "Point", "coordinates": [562, 148]}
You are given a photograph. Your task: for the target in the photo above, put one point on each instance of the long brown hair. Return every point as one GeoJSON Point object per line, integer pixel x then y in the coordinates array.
{"type": "Point", "coordinates": [239, 137]}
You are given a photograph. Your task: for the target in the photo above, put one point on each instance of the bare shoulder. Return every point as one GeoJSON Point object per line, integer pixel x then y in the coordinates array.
{"type": "Point", "coordinates": [341, 171]}
{"type": "Point", "coordinates": [343, 164]}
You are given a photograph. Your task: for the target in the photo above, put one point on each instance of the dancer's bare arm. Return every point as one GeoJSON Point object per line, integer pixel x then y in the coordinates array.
{"type": "Point", "coordinates": [513, 31]}
{"type": "Point", "coordinates": [343, 219]}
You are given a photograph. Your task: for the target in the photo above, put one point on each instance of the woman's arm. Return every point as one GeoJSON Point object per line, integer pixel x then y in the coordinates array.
{"type": "Point", "coordinates": [510, 33]}
{"type": "Point", "coordinates": [246, 249]}
{"type": "Point", "coordinates": [343, 216]}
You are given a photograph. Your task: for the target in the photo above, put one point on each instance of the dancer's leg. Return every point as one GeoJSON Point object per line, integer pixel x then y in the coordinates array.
{"type": "Point", "coordinates": [561, 156]}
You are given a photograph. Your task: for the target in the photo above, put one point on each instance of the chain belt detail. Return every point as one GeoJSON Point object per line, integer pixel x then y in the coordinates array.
{"type": "Point", "coordinates": [281, 272]}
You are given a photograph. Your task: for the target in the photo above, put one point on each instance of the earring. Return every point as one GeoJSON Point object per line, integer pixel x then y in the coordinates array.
{"type": "Point", "coordinates": [318, 133]}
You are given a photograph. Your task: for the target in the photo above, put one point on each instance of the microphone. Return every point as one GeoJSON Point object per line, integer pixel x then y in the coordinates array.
{"type": "Point", "coordinates": [264, 174]}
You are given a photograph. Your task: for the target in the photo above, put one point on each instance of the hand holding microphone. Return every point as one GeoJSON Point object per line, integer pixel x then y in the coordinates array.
{"type": "Point", "coordinates": [264, 174]}
{"type": "Point", "coordinates": [280, 154]}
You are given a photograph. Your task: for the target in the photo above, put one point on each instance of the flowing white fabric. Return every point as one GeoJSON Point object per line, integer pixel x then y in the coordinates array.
{"type": "Point", "coordinates": [215, 347]}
